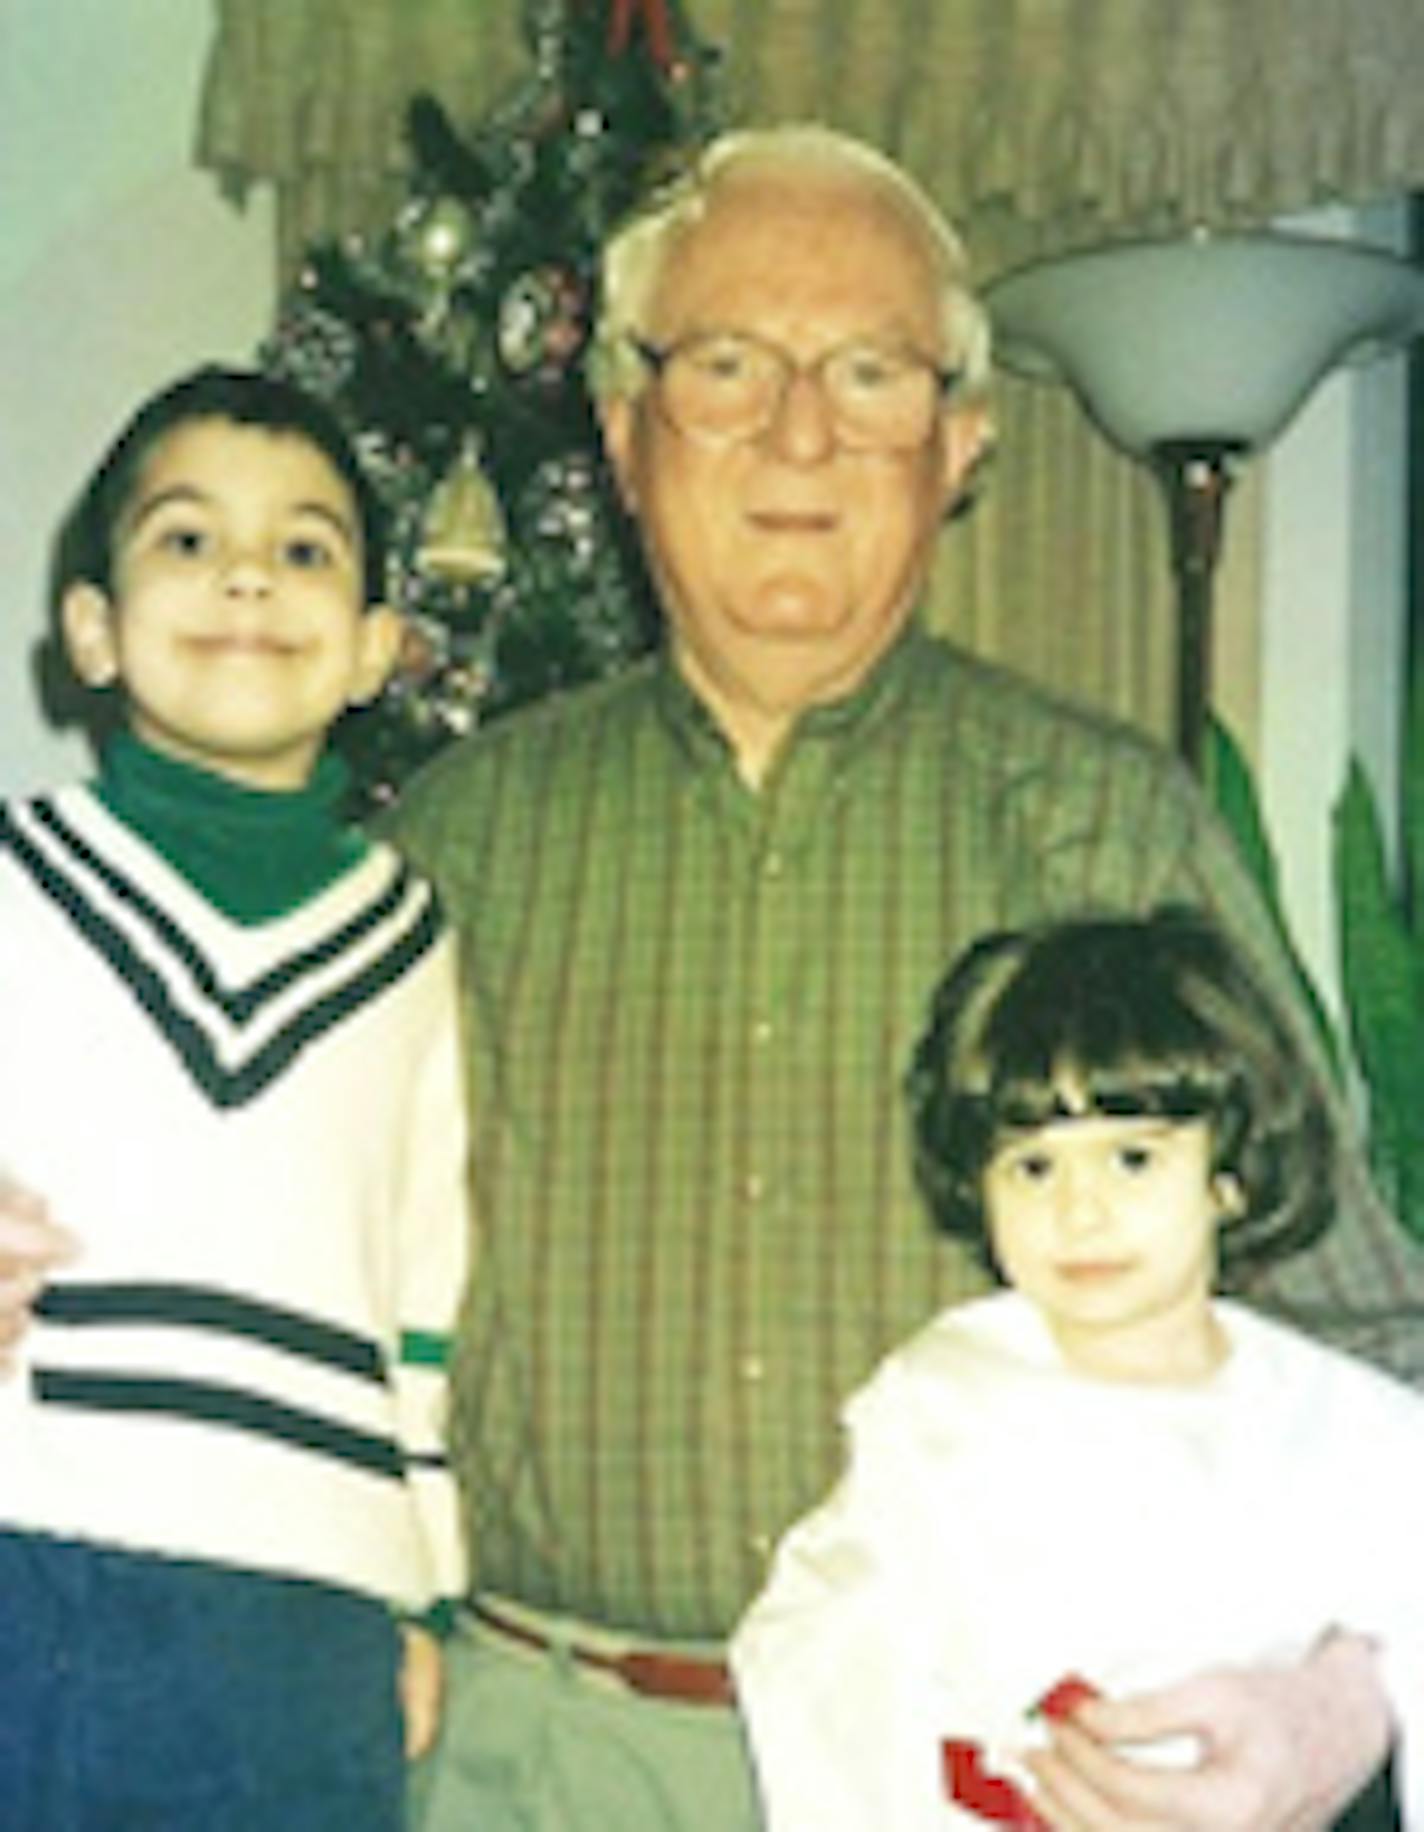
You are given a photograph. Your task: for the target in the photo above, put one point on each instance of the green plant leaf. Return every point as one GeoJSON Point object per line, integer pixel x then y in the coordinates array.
{"type": "Point", "coordinates": [1382, 970]}
{"type": "Point", "coordinates": [1233, 789]}
{"type": "Point", "coordinates": [1412, 824]}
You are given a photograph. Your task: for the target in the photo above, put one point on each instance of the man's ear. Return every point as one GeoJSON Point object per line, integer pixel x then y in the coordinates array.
{"type": "Point", "coordinates": [618, 416]}
{"type": "Point", "coordinates": [87, 617]}
{"type": "Point", "coordinates": [968, 443]}
{"type": "Point", "coordinates": [382, 632]}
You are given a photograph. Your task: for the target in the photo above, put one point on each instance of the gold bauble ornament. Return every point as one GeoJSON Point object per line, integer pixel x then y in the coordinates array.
{"type": "Point", "coordinates": [435, 235]}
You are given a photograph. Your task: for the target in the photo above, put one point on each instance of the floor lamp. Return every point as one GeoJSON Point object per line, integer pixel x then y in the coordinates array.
{"type": "Point", "coordinates": [1192, 354]}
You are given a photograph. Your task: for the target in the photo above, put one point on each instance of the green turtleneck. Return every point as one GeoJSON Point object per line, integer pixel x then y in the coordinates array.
{"type": "Point", "coordinates": [254, 853]}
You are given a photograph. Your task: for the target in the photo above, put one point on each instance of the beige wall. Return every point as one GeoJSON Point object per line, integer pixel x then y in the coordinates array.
{"type": "Point", "coordinates": [1332, 611]}
{"type": "Point", "coordinates": [119, 266]}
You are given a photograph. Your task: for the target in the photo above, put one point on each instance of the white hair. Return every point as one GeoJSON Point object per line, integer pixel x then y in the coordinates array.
{"type": "Point", "coordinates": [635, 257]}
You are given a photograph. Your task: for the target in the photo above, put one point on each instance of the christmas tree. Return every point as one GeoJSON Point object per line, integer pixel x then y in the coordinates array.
{"type": "Point", "coordinates": [451, 348]}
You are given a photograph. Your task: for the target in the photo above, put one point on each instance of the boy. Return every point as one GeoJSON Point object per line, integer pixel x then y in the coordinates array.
{"type": "Point", "coordinates": [223, 1463]}
{"type": "Point", "coordinates": [1103, 1476]}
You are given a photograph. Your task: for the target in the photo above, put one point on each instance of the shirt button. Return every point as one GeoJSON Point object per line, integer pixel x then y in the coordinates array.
{"type": "Point", "coordinates": [760, 1544]}
{"type": "Point", "coordinates": [753, 1369]}
{"type": "Point", "coordinates": [773, 865]}
{"type": "Point", "coordinates": [755, 1186]}
{"type": "Point", "coordinates": [763, 1031]}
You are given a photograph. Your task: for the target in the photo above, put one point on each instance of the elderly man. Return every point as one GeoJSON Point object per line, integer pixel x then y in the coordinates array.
{"type": "Point", "coordinates": [701, 907]}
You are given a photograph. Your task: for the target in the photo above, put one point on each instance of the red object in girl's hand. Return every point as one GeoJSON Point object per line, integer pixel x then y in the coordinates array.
{"type": "Point", "coordinates": [992, 1797]}
{"type": "Point", "coordinates": [1062, 1700]}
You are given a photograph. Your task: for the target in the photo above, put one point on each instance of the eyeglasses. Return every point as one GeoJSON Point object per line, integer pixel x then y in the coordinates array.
{"type": "Point", "coordinates": [727, 387]}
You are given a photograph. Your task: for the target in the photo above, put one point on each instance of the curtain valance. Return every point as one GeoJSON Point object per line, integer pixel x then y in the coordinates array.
{"type": "Point", "coordinates": [1038, 124]}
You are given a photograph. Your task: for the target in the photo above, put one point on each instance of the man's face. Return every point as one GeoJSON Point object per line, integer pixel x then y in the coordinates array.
{"type": "Point", "coordinates": [787, 564]}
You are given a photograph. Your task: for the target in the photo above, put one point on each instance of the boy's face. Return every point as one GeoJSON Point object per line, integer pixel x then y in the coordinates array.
{"type": "Point", "coordinates": [236, 627]}
{"type": "Point", "coordinates": [1109, 1227]}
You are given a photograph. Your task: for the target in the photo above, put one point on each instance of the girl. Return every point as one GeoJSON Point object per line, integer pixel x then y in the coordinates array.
{"type": "Point", "coordinates": [1103, 1478]}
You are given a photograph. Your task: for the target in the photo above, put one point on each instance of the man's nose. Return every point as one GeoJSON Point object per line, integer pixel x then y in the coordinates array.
{"type": "Point", "coordinates": [802, 427]}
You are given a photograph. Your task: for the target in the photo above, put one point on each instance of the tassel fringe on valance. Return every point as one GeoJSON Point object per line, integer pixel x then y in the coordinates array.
{"type": "Point", "coordinates": [1038, 124]}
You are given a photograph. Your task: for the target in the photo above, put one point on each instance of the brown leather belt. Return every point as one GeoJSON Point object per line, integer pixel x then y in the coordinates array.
{"type": "Point", "coordinates": [684, 1679]}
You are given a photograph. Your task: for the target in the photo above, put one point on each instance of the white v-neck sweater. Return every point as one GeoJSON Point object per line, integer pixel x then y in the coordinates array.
{"type": "Point", "coordinates": [257, 1134]}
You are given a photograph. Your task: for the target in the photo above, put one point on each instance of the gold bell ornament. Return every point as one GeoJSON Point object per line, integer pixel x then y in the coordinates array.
{"type": "Point", "coordinates": [463, 539]}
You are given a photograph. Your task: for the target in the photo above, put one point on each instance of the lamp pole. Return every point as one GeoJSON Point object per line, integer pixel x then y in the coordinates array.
{"type": "Point", "coordinates": [1195, 475]}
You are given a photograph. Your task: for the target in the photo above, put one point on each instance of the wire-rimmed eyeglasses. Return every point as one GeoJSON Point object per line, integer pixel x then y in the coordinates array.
{"type": "Point", "coordinates": [727, 387]}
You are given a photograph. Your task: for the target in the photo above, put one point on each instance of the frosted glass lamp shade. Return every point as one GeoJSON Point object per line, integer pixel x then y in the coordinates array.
{"type": "Point", "coordinates": [1210, 340]}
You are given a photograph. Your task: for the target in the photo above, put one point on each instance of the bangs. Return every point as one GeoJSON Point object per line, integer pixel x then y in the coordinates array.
{"type": "Point", "coordinates": [1127, 1090]}
{"type": "Point", "coordinates": [1103, 1035]}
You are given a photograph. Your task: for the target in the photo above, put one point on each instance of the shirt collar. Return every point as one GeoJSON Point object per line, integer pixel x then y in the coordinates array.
{"type": "Point", "coordinates": [875, 698]}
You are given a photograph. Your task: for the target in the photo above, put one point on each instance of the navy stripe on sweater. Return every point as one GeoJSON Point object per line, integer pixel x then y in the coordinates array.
{"type": "Point", "coordinates": [210, 1403]}
{"type": "Point", "coordinates": [205, 1308]}
{"type": "Point", "coordinates": [239, 1004]}
{"type": "Point", "coordinates": [231, 1086]}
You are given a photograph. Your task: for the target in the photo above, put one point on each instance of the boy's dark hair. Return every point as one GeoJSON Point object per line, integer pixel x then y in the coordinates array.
{"type": "Point", "coordinates": [1121, 1016]}
{"type": "Point", "coordinates": [244, 397]}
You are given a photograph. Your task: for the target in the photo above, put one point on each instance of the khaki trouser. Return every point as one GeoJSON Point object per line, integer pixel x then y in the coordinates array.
{"type": "Point", "coordinates": [533, 1742]}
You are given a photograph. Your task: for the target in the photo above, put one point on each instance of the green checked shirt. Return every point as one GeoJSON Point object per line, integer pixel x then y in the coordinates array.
{"type": "Point", "coordinates": [689, 1009]}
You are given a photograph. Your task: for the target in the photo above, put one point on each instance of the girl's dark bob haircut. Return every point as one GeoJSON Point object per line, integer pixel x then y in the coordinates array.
{"type": "Point", "coordinates": [1122, 1016]}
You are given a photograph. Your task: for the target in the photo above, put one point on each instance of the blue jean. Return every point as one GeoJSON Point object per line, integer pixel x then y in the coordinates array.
{"type": "Point", "coordinates": [142, 1694]}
